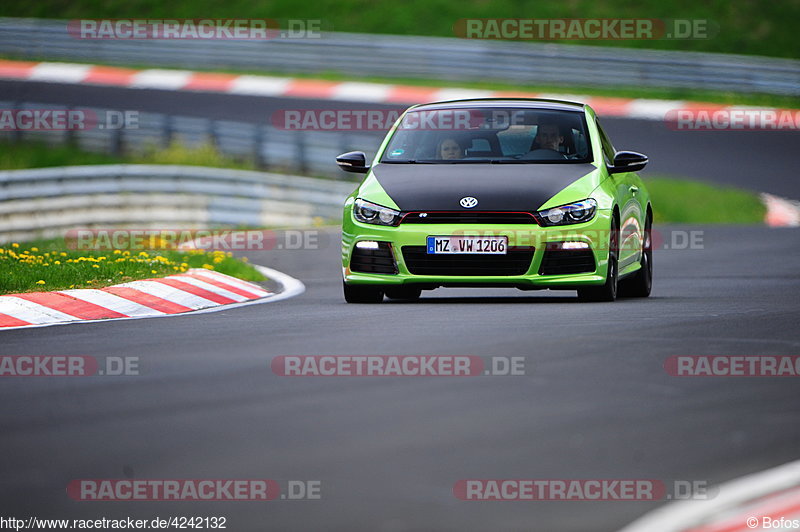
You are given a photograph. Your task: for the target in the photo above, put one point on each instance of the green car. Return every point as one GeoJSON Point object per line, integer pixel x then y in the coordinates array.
{"type": "Point", "coordinates": [523, 193]}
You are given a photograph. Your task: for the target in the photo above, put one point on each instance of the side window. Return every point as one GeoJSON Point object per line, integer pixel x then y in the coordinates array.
{"type": "Point", "coordinates": [608, 148]}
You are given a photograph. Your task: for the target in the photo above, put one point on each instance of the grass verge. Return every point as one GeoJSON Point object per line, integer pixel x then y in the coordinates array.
{"type": "Point", "coordinates": [27, 154]}
{"type": "Point", "coordinates": [46, 265]}
{"type": "Point", "coordinates": [693, 202]}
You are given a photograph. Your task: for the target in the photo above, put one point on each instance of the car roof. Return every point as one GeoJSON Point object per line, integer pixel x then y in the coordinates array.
{"type": "Point", "coordinates": [522, 103]}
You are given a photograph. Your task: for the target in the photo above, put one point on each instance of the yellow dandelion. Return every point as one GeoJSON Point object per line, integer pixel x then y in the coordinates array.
{"type": "Point", "coordinates": [34, 249]}
{"type": "Point", "coordinates": [95, 265]}
{"type": "Point", "coordinates": [14, 245]}
{"type": "Point", "coordinates": [40, 281]}
{"type": "Point", "coordinates": [153, 271]}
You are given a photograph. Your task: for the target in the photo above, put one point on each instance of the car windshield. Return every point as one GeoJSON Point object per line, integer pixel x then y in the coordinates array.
{"type": "Point", "coordinates": [489, 135]}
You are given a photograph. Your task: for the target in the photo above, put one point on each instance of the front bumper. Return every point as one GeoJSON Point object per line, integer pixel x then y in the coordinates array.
{"type": "Point", "coordinates": [595, 233]}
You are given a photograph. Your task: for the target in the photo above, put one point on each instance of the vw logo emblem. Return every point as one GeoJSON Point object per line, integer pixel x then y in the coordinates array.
{"type": "Point", "coordinates": [468, 202]}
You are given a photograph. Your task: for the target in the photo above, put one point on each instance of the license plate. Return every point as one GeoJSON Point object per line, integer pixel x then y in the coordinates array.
{"type": "Point", "coordinates": [474, 245]}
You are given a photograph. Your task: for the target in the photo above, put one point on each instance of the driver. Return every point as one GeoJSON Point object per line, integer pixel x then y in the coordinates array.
{"type": "Point", "coordinates": [548, 137]}
{"type": "Point", "coordinates": [548, 140]}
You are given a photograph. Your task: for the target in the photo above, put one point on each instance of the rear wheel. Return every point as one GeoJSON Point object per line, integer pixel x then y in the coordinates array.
{"type": "Point", "coordinates": [403, 292]}
{"type": "Point", "coordinates": [640, 284]}
{"type": "Point", "coordinates": [608, 291]}
{"type": "Point", "coordinates": [362, 293]}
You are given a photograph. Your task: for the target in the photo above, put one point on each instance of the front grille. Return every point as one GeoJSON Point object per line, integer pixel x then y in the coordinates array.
{"type": "Point", "coordinates": [516, 262]}
{"type": "Point", "coordinates": [566, 261]}
{"type": "Point", "coordinates": [463, 217]}
{"type": "Point", "coordinates": [373, 260]}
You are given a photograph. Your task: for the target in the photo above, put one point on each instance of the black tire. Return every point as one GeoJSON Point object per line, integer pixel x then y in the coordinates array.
{"type": "Point", "coordinates": [408, 293]}
{"type": "Point", "coordinates": [608, 291]}
{"type": "Point", "coordinates": [362, 293]}
{"type": "Point", "coordinates": [640, 284]}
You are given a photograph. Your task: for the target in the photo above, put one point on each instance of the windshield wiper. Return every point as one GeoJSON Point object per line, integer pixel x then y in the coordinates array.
{"type": "Point", "coordinates": [411, 161]}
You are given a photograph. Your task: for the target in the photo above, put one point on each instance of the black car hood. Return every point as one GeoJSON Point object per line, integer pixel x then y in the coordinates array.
{"type": "Point", "coordinates": [497, 187]}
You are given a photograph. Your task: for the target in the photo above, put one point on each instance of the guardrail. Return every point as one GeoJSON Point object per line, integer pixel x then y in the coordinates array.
{"type": "Point", "coordinates": [45, 202]}
{"type": "Point", "coordinates": [407, 56]}
{"type": "Point", "coordinates": [304, 152]}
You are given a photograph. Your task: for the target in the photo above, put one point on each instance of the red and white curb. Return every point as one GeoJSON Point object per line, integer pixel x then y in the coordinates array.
{"type": "Point", "coordinates": [197, 290]}
{"type": "Point", "coordinates": [781, 212]}
{"type": "Point", "coordinates": [756, 502]}
{"type": "Point", "coordinates": [287, 87]}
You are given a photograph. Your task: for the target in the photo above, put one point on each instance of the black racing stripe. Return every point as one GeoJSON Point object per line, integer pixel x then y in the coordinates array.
{"type": "Point", "coordinates": [497, 187]}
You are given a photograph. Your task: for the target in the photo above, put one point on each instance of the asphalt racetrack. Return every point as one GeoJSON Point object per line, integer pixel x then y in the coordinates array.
{"type": "Point", "coordinates": [595, 401]}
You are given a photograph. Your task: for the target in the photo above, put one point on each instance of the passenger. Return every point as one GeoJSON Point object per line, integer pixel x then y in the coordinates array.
{"type": "Point", "coordinates": [449, 149]}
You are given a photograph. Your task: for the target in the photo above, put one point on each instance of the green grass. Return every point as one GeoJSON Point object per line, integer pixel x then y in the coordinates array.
{"type": "Point", "coordinates": [684, 201]}
{"type": "Point", "coordinates": [745, 26]}
{"type": "Point", "coordinates": [50, 265]}
{"type": "Point", "coordinates": [16, 156]}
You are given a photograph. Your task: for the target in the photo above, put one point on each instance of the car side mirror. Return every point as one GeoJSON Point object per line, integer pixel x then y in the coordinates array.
{"type": "Point", "coordinates": [628, 161]}
{"type": "Point", "coordinates": [353, 161]}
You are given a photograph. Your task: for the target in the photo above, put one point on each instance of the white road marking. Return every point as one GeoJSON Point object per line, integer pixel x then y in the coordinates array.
{"type": "Point", "coordinates": [361, 92]}
{"type": "Point", "coordinates": [170, 293]}
{"type": "Point", "coordinates": [161, 79]}
{"type": "Point", "coordinates": [210, 288]}
{"type": "Point", "coordinates": [25, 310]}
{"type": "Point", "coordinates": [60, 72]}
{"type": "Point", "coordinates": [112, 302]}
{"type": "Point", "coordinates": [259, 85]}
{"type": "Point", "coordinates": [254, 289]}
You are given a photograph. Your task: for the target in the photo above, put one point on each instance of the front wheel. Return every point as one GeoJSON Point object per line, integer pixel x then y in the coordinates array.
{"type": "Point", "coordinates": [361, 293]}
{"type": "Point", "coordinates": [640, 284]}
{"type": "Point", "coordinates": [608, 291]}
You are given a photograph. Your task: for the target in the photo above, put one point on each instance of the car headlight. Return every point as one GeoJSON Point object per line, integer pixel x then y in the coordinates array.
{"type": "Point", "coordinates": [370, 213]}
{"type": "Point", "coordinates": [573, 213]}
